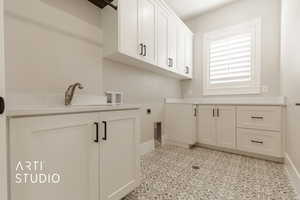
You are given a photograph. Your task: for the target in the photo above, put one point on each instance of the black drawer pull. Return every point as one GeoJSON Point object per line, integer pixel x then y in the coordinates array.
{"type": "Point", "coordinates": [297, 104]}
{"type": "Point", "coordinates": [2, 105]}
{"type": "Point", "coordinates": [169, 62]}
{"type": "Point", "coordinates": [97, 132]}
{"type": "Point", "coordinates": [187, 70]}
{"type": "Point", "coordinates": [253, 117]}
{"type": "Point", "coordinates": [142, 49]}
{"type": "Point", "coordinates": [105, 130]}
{"type": "Point", "coordinates": [145, 50]}
{"type": "Point", "coordinates": [257, 142]}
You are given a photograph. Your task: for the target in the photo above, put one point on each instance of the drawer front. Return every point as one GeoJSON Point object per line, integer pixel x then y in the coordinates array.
{"type": "Point", "coordinates": [259, 117]}
{"type": "Point", "coordinates": [261, 142]}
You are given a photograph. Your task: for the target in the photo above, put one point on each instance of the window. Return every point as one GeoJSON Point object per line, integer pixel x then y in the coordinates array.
{"type": "Point", "coordinates": [232, 60]}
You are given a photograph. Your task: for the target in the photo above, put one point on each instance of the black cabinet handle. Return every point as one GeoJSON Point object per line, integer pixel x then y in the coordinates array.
{"type": "Point", "coordinates": [187, 70]}
{"type": "Point", "coordinates": [213, 112]}
{"type": "Point", "coordinates": [169, 62]}
{"type": "Point", "coordinates": [218, 112]}
{"type": "Point", "coordinates": [297, 104]}
{"type": "Point", "coordinates": [142, 49]}
{"type": "Point", "coordinates": [105, 130]}
{"type": "Point", "coordinates": [253, 117]}
{"type": "Point", "coordinates": [97, 132]}
{"type": "Point", "coordinates": [195, 112]}
{"type": "Point", "coordinates": [2, 105]}
{"type": "Point", "coordinates": [257, 142]}
{"type": "Point", "coordinates": [145, 50]}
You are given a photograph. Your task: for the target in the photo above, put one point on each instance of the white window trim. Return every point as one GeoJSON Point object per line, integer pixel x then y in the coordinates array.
{"type": "Point", "coordinates": [252, 87]}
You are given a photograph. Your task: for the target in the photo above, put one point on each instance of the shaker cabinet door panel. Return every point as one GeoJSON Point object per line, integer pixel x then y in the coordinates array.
{"type": "Point", "coordinates": [180, 123]}
{"type": "Point", "coordinates": [226, 127]}
{"type": "Point", "coordinates": [180, 50]}
{"type": "Point", "coordinates": [64, 146]}
{"type": "Point", "coordinates": [147, 32]}
{"type": "Point", "coordinates": [162, 38]}
{"type": "Point", "coordinates": [128, 25]}
{"type": "Point", "coordinates": [119, 154]}
{"type": "Point", "coordinates": [206, 125]}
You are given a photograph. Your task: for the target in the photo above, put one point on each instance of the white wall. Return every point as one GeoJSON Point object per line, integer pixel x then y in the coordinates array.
{"type": "Point", "coordinates": [233, 14]}
{"type": "Point", "coordinates": [290, 76]}
{"type": "Point", "coordinates": [48, 47]}
{"type": "Point", "coordinates": [53, 43]}
{"type": "Point", "coordinates": [141, 87]}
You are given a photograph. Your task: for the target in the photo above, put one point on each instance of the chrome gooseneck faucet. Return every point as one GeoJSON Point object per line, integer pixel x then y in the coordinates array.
{"type": "Point", "coordinates": [69, 94]}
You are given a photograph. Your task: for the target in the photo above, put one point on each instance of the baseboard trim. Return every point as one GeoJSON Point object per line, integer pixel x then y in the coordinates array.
{"type": "Point", "coordinates": [175, 143]}
{"type": "Point", "coordinates": [293, 173]}
{"type": "Point", "coordinates": [243, 153]}
{"type": "Point", "coordinates": [147, 147]}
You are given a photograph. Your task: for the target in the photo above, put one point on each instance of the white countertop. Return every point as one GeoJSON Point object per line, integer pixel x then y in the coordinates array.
{"type": "Point", "coordinates": [29, 111]}
{"type": "Point", "coordinates": [264, 101]}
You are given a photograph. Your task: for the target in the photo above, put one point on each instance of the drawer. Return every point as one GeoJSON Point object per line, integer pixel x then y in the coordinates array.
{"type": "Point", "coordinates": [259, 117]}
{"type": "Point", "coordinates": [260, 142]}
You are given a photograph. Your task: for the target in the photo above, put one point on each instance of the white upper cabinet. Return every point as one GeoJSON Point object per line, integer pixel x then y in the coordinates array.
{"type": "Point", "coordinates": [188, 55]}
{"type": "Point", "coordinates": [147, 30]}
{"type": "Point", "coordinates": [162, 38]}
{"type": "Point", "coordinates": [143, 33]}
{"type": "Point", "coordinates": [128, 28]}
{"type": "Point", "coordinates": [172, 47]}
{"type": "Point", "coordinates": [184, 50]}
{"type": "Point", "coordinates": [180, 48]}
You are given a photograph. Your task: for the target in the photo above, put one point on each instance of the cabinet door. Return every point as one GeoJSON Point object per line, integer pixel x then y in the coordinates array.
{"type": "Point", "coordinates": [147, 32]}
{"type": "Point", "coordinates": [172, 43]}
{"type": "Point", "coordinates": [206, 125]}
{"type": "Point", "coordinates": [162, 38]}
{"type": "Point", "coordinates": [119, 154]}
{"type": "Point", "coordinates": [180, 49]}
{"type": "Point", "coordinates": [180, 123]}
{"type": "Point", "coordinates": [188, 54]}
{"type": "Point", "coordinates": [65, 145]}
{"type": "Point", "coordinates": [226, 127]}
{"type": "Point", "coordinates": [128, 27]}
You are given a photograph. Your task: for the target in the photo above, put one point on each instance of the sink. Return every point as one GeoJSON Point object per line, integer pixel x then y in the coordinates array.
{"type": "Point", "coordinates": [89, 100]}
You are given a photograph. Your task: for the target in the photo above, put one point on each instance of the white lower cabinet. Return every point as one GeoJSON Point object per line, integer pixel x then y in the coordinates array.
{"type": "Point", "coordinates": [245, 129]}
{"type": "Point", "coordinates": [258, 141]}
{"type": "Point", "coordinates": [260, 130]}
{"type": "Point", "coordinates": [216, 126]}
{"type": "Point", "coordinates": [226, 126]}
{"type": "Point", "coordinates": [65, 157]}
{"type": "Point", "coordinates": [180, 124]}
{"type": "Point", "coordinates": [207, 125]}
{"type": "Point", "coordinates": [119, 163]}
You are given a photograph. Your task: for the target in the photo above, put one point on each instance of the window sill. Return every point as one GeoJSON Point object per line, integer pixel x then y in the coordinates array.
{"type": "Point", "coordinates": [231, 91]}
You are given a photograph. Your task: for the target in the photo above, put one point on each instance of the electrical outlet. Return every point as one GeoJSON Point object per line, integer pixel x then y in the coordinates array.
{"type": "Point", "coordinates": [265, 89]}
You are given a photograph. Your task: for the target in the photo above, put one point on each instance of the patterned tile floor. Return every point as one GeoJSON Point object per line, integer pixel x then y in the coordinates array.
{"type": "Point", "coordinates": [169, 174]}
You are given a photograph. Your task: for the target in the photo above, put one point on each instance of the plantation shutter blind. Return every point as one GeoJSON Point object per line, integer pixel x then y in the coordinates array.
{"type": "Point", "coordinates": [230, 59]}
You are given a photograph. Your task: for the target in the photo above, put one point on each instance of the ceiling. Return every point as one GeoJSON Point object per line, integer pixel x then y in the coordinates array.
{"type": "Point", "coordinates": [187, 9]}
